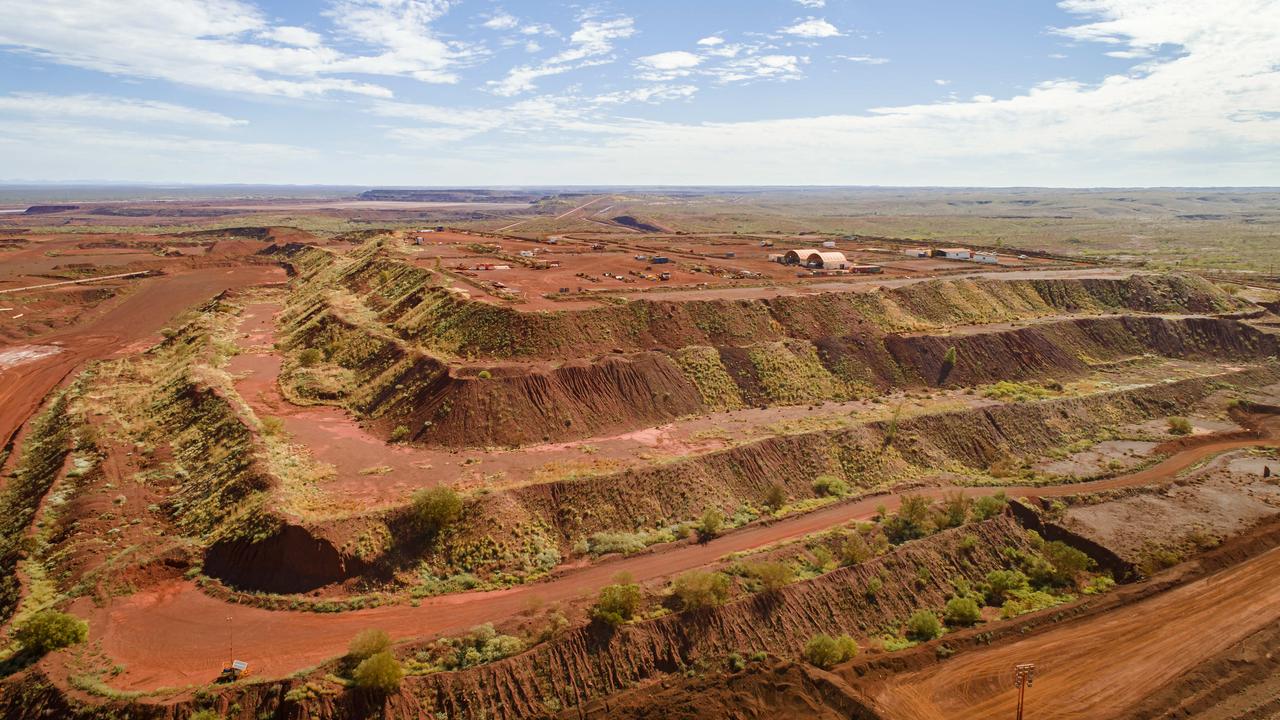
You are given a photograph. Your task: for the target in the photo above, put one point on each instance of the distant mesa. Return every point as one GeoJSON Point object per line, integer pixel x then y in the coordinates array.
{"type": "Point", "coordinates": [49, 209]}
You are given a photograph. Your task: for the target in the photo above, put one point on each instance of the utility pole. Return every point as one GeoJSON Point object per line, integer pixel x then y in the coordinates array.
{"type": "Point", "coordinates": [231, 642]}
{"type": "Point", "coordinates": [1022, 676]}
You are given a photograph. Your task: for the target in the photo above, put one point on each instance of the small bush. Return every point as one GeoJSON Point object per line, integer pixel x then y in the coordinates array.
{"type": "Point", "coordinates": [484, 375]}
{"type": "Point", "coordinates": [617, 604]}
{"type": "Point", "coordinates": [1099, 585]}
{"type": "Point", "coordinates": [830, 486]}
{"type": "Point", "coordinates": [772, 575]}
{"type": "Point", "coordinates": [1027, 601]}
{"type": "Point", "coordinates": [50, 630]}
{"type": "Point", "coordinates": [824, 651]}
{"type": "Point", "coordinates": [988, 506]}
{"type": "Point", "coordinates": [1001, 584]}
{"type": "Point", "coordinates": [949, 359]}
{"type": "Point", "coordinates": [775, 497]}
{"type": "Point", "coordinates": [912, 521]}
{"type": "Point", "coordinates": [380, 672]}
{"type": "Point", "coordinates": [698, 589]}
{"type": "Point", "coordinates": [273, 426]}
{"type": "Point", "coordinates": [962, 612]}
{"type": "Point", "coordinates": [710, 524]}
{"type": "Point", "coordinates": [310, 357]}
{"type": "Point", "coordinates": [1179, 426]}
{"type": "Point", "coordinates": [923, 626]}
{"type": "Point", "coordinates": [368, 643]}
{"type": "Point", "coordinates": [435, 508]}
{"type": "Point", "coordinates": [399, 433]}
{"type": "Point", "coordinates": [1067, 563]}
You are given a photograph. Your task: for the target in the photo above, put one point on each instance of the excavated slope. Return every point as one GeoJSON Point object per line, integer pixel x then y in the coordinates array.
{"type": "Point", "coordinates": [795, 355]}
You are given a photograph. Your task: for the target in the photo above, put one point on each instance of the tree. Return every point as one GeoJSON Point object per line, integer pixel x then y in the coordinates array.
{"type": "Point", "coordinates": [699, 589]}
{"type": "Point", "coordinates": [709, 525]}
{"type": "Point", "coordinates": [953, 512]}
{"type": "Point", "coordinates": [380, 672]}
{"type": "Point", "coordinates": [923, 626]}
{"type": "Point", "coordinates": [50, 630]}
{"type": "Point", "coordinates": [1067, 563]}
{"type": "Point", "coordinates": [435, 508]}
{"type": "Point", "coordinates": [989, 506]}
{"type": "Point", "coordinates": [617, 603]}
{"type": "Point", "coordinates": [775, 497]}
{"type": "Point", "coordinates": [824, 651]}
{"type": "Point", "coordinates": [962, 612]}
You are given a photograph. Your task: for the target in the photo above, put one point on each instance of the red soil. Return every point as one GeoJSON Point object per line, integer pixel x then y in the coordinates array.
{"type": "Point", "coordinates": [119, 327]}
{"type": "Point", "coordinates": [1102, 667]}
{"type": "Point", "coordinates": [175, 635]}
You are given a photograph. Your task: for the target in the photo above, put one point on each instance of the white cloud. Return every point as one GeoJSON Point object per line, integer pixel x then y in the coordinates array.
{"type": "Point", "coordinates": [209, 43]}
{"type": "Point", "coordinates": [941, 82]}
{"type": "Point", "coordinates": [711, 41]}
{"type": "Point", "coordinates": [668, 65]}
{"type": "Point", "coordinates": [649, 94]}
{"type": "Point", "coordinates": [812, 28]}
{"type": "Point", "coordinates": [103, 107]}
{"type": "Point", "coordinates": [501, 20]}
{"type": "Point", "coordinates": [812, 3]}
{"type": "Point", "coordinates": [864, 59]}
{"type": "Point", "coordinates": [760, 67]}
{"type": "Point", "coordinates": [587, 45]}
{"type": "Point", "coordinates": [292, 35]}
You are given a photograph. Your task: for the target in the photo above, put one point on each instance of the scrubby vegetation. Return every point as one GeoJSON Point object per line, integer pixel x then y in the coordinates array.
{"type": "Point", "coordinates": [434, 509]}
{"type": "Point", "coordinates": [617, 603]}
{"type": "Point", "coordinates": [50, 630]}
{"type": "Point", "coordinates": [700, 589]}
{"type": "Point", "coordinates": [824, 651]}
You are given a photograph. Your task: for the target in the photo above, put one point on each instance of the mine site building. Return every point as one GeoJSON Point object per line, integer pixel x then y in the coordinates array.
{"type": "Point", "coordinates": [916, 252]}
{"type": "Point", "coordinates": [953, 253]}
{"type": "Point", "coordinates": [817, 259]}
{"type": "Point", "coordinates": [986, 257]}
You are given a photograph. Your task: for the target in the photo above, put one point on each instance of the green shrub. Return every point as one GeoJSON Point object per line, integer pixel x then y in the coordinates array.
{"type": "Point", "coordinates": [399, 433]}
{"type": "Point", "coordinates": [1179, 426]}
{"type": "Point", "coordinates": [962, 612]}
{"type": "Point", "coordinates": [830, 486]}
{"type": "Point", "coordinates": [953, 512]}
{"type": "Point", "coordinates": [1099, 584]}
{"type": "Point", "coordinates": [949, 359]}
{"type": "Point", "coordinates": [1066, 562]}
{"type": "Point", "coordinates": [205, 714]}
{"type": "Point", "coordinates": [698, 589]}
{"type": "Point", "coordinates": [824, 651]}
{"type": "Point", "coordinates": [988, 506]}
{"type": "Point", "coordinates": [912, 520]}
{"type": "Point", "coordinates": [482, 645]}
{"type": "Point", "coordinates": [435, 508]}
{"type": "Point", "coordinates": [484, 375]}
{"type": "Point", "coordinates": [1026, 601]}
{"type": "Point", "coordinates": [772, 575]}
{"type": "Point", "coordinates": [368, 643]}
{"type": "Point", "coordinates": [775, 497]}
{"type": "Point", "coordinates": [710, 524]}
{"type": "Point", "coordinates": [617, 603]}
{"type": "Point", "coordinates": [1003, 583]}
{"type": "Point", "coordinates": [310, 357]}
{"type": "Point", "coordinates": [50, 630]}
{"type": "Point", "coordinates": [855, 550]}
{"type": "Point", "coordinates": [923, 626]}
{"type": "Point", "coordinates": [380, 672]}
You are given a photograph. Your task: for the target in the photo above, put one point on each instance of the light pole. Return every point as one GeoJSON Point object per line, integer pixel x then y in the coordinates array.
{"type": "Point", "coordinates": [1022, 676]}
{"type": "Point", "coordinates": [231, 641]}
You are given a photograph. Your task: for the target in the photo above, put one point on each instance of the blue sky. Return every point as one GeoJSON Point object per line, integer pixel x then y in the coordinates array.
{"type": "Point", "coordinates": [479, 92]}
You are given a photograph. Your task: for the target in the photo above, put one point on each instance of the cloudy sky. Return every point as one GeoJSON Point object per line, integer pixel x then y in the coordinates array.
{"type": "Point", "coordinates": [778, 92]}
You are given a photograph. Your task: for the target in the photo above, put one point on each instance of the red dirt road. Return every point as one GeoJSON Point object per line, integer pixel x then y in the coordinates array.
{"type": "Point", "coordinates": [175, 635]}
{"type": "Point", "coordinates": [1100, 667]}
{"type": "Point", "coordinates": [136, 318]}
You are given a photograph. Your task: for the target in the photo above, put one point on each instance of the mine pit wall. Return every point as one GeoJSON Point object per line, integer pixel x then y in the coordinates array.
{"type": "Point", "coordinates": [509, 405]}
{"type": "Point", "coordinates": [595, 661]}
{"type": "Point", "coordinates": [563, 512]}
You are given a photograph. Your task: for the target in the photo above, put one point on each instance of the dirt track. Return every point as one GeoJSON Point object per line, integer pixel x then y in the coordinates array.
{"type": "Point", "coordinates": [1101, 667]}
{"type": "Point", "coordinates": [175, 635]}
